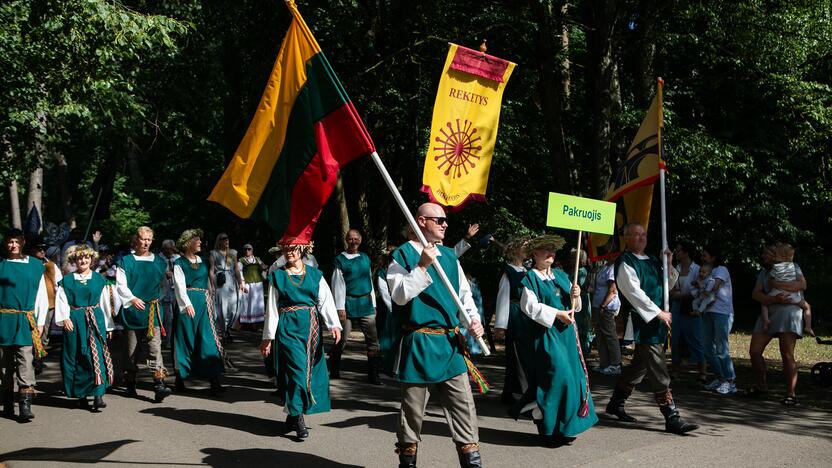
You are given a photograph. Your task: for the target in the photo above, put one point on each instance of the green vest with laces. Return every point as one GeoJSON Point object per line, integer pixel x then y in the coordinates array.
{"type": "Point", "coordinates": [649, 273]}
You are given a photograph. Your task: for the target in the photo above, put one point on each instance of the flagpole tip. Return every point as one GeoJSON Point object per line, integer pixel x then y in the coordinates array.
{"type": "Point", "coordinates": [483, 47]}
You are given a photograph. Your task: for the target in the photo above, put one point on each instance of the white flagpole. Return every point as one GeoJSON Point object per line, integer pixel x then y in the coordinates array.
{"type": "Point", "coordinates": [665, 266]}
{"type": "Point", "coordinates": [462, 314]}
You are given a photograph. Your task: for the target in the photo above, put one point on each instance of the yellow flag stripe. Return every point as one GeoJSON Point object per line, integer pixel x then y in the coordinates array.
{"type": "Point", "coordinates": [247, 175]}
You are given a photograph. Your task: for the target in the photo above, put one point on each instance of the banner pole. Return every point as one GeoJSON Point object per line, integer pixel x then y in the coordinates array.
{"type": "Point", "coordinates": [665, 266]}
{"type": "Point", "coordinates": [411, 221]}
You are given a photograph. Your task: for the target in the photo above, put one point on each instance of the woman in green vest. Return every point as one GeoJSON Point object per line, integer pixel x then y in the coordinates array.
{"type": "Point", "coordinates": [558, 390]}
{"type": "Point", "coordinates": [197, 347]}
{"type": "Point", "coordinates": [299, 301]}
{"type": "Point", "coordinates": [252, 304]}
{"type": "Point", "coordinates": [82, 306]}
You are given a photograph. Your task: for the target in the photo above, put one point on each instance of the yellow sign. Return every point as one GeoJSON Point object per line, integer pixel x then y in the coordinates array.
{"type": "Point", "coordinates": [464, 128]}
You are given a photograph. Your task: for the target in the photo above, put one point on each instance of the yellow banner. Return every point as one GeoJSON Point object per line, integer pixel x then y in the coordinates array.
{"type": "Point", "coordinates": [464, 128]}
{"type": "Point", "coordinates": [631, 188]}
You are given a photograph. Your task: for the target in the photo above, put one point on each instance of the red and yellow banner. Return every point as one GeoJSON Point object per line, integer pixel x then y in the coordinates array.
{"type": "Point", "coordinates": [464, 128]}
{"type": "Point", "coordinates": [631, 189]}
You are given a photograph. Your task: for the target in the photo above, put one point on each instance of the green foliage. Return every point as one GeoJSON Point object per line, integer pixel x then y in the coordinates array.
{"type": "Point", "coordinates": [127, 214]}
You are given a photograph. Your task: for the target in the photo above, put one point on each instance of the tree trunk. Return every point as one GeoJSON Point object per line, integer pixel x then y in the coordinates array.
{"type": "Point", "coordinates": [35, 197]}
{"type": "Point", "coordinates": [551, 89]}
{"type": "Point", "coordinates": [134, 169]}
{"type": "Point", "coordinates": [14, 201]}
{"type": "Point", "coordinates": [565, 67]}
{"type": "Point", "coordinates": [343, 211]}
{"type": "Point", "coordinates": [63, 184]}
{"type": "Point", "coordinates": [602, 87]}
{"type": "Point", "coordinates": [650, 12]}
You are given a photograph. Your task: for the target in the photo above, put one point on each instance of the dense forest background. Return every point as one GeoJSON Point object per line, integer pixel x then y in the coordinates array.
{"type": "Point", "coordinates": [146, 101]}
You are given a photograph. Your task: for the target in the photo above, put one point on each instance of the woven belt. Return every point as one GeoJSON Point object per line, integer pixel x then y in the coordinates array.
{"type": "Point", "coordinates": [92, 333]}
{"type": "Point", "coordinates": [475, 373]}
{"type": "Point", "coordinates": [355, 296]}
{"type": "Point", "coordinates": [30, 316]}
{"type": "Point", "coordinates": [311, 342]}
{"type": "Point", "coordinates": [209, 304]}
{"type": "Point", "coordinates": [154, 310]}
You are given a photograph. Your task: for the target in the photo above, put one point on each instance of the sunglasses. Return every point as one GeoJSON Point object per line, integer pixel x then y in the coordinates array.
{"type": "Point", "coordinates": [440, 220]}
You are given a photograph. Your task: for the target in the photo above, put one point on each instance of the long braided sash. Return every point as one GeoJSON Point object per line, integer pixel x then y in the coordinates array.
{"type": "Point", "coordinates": [30, 316]}
{"type": "Point", "coordinates": [475, 373]}
{"type": "Point", "coordinates": [113, 310]}
{"type": "Point", "coordinates": [209, 304]}
{"type": "Point", "coordinates": [92, 333]}
{"type": "Point", "coordinates": [311, 342]}
{"type": "Point", "coordinates": [154, 310]}
{"type": "Point", "coordinates": [583, 410]}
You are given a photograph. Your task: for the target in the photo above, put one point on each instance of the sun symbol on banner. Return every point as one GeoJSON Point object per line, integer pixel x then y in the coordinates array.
{"type": "Point", "coordinates": [457, 148]}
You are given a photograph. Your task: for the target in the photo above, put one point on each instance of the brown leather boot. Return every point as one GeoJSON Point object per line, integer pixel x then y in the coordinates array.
{"type": "Point", "coordinates": [407, 454]}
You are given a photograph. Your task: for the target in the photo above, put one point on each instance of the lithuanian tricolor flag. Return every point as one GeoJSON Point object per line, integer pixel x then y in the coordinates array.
{"type": "Point", "coordinates": [305, 129]}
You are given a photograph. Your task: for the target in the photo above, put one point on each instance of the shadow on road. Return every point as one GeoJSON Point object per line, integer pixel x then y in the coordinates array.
{"type": "Point", "coordinates": [221, 458]}
{"type": "Point", "coordinates": [83, 454]}
{"type": "Point", "coordinates": [240, 422]}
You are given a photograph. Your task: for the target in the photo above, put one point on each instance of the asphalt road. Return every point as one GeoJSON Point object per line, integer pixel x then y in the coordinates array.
{"type": "Point", "coordinates": [244, 428]}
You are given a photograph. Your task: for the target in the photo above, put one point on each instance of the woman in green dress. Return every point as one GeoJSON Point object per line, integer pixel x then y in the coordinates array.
{"type": "Point", "coordinates": [299, 300]}
{"type": "Point", "coordinates": [82, 306]}
{"type": "Point", "coordinates": [197, 347]}
{"type": "Point", "coordinates": [558, 390]}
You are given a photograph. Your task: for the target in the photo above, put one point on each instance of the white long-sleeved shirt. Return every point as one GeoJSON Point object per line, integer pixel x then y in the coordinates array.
{"type": "Point", "coordinates": [339, 285]}
{"type": "Point", "coordinates": [541, 313]}
{"type": "Point", "coordinates": [384, 292]}
{"type": "Point", "coordinates": [62, 303]}
{"type": "Point", "coordinates": [123, 290]}
{"type": "Point", "coordinates": [180, 287]}
{"type": "Point", "coordinates": [41, 298]}
{"type": "Point", "coordinates": [406, 285]}
{"type": "Point", "coordinates": [326, 308]}
{"type": "Point", "coordinates": [504, 299]}
{"type": "Point", "coordinates": [461, 247]}
{"type": "Point", "coordinates": [629, 286]}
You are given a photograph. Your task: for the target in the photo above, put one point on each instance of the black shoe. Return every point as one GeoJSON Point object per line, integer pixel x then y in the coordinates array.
{"type": "Point", "coordinates": [130, 386]}
{"type": "Point", "coordinates": [374, 367]}
{"type": "Point", "coordinates": [179, 385]}
{"type": "Point", "coordinates": [26, 407]}
{"type": "Point", "coordinates": [98, 403]}
{"type": "Point", "coordinates": [616, 408]}
{"type": "Point", "coordinates": [674, 423]}
{"type": "Point", "coordinates": [470, 459]}
{"type": "Point", "coordinates": [83, 403]}
{"type": "Point", "coordinates": [407, 455]}
{"type": "Point", "coordinates": [300, 428]}
{"type": "Point", "coordinates": [160, 392]}
{"type": "Point", "coordinates": [334, 366]}
{"type": "Point", "coordinates": [216, 387]}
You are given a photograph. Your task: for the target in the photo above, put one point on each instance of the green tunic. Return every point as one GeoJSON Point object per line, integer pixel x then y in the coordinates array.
{"type": "Point", "coordinates": [358, 277]}
{"type": "Point", "coordinates": [196, 343]}
{"type": "Point", "coordinates": [518, 344]}
{"type": "Point", "coordinates": [144, 278]}
{"type": "Point", "coordinates": [558, 384]}
{"type": "Point", "coordinates": [428, 358]}
{"type": "Point", "coordinates": [584, 318]}
{"type": "Point", "coordinates": [19, 282]}
{"type": "Point", "coordinates": [77, 361]}
{"type": "Point", "coordinates": [649, 273]}
{"type": "Point", "coordinates": [305, 380]}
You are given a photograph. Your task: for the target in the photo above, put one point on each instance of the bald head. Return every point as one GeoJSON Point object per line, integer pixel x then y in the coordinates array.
{"type": "Point", "coordinates": [432, 221]}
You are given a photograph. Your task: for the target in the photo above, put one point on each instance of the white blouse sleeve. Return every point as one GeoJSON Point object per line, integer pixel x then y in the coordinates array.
{"type": "Point", "coordinates": [503, 303]}
{"type": "Point", "coordinates": [384, 292]}
{"type": "Point", "coordinates": [405, 285]}
{"type": "Point", "coordinates": [630, 287]}
{"type": "Point", "coordinates": [180, 288]}
{"type": "Point", "coordinates": [339, 289]}
{"type": "Point", "coordinates": [270, 325]}
{"type": "Point", "coordinates": [461, 247]}
{"type": "Point", "coordinates": [541, 313]}
{"type": "Point", "coordinates": [326, 306]}
{"type": "Point", "coordinates": [41, 303]}
{"type": "Point", "coordinates": [124, 292]}
{"type": "Point", "coordinates": [61, 305]}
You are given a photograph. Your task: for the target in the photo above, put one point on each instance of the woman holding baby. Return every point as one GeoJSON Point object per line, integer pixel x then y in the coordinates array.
{"type": "Point", "coordinates": [782, 318]}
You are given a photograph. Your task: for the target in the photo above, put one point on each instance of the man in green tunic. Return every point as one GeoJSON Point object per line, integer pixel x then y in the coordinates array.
{"type": "Point", "coordinates": [140, 279]}
{"type": "Point", "coordinates": [23, 308]}
{"type": "Point", "coordinates": [639, 280]}
{"type": "Point", "coordinates": [355, 300]}
{"type": "Point", "coordinates": [430, 354]}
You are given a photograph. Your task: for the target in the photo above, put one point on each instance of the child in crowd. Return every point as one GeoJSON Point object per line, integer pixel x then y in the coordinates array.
{"type": "Point", "coordinates": [785, 270]}
{"type": "Point", "coordinates": [703, 290]}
